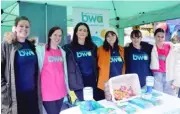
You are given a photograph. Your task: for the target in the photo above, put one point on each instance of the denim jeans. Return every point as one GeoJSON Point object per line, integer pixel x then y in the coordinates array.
{"type": "Point", "coordinates": [160, 83]}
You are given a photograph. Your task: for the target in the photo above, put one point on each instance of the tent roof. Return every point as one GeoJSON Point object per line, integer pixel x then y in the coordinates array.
{"type": "Point", "coordinates": [130, 12]}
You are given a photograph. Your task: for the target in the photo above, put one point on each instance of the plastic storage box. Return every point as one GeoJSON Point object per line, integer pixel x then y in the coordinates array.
{"type": "Point", "coordinates": [127, 81]}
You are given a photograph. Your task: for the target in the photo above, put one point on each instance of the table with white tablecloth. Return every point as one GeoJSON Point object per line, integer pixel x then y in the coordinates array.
{"type": "Point", "coordinates": [170, 105]}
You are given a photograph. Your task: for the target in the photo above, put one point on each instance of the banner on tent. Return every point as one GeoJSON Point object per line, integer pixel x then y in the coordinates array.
{"type": "Point", "coordinates": [97, 19]}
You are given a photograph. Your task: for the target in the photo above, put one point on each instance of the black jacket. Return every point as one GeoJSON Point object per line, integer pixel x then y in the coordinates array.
{"type": "Point", "coordinates": [74, 73]}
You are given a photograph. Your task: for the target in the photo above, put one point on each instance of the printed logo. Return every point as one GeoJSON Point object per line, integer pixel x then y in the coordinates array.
{"type": "Point", "coordinates": [55, 59]}
{"type": "Point", "coordinates": [26, 52]}
{"type": "Point", "coordinates": [92, 18]}
{"type": "Point", "coordinates": [140, 57]}
{"type": "Point", "coordinates": [83, 54]}
{"type": "Point", "coordinates": [115, 59]}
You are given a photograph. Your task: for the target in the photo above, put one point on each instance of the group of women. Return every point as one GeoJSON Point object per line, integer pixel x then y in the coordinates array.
{"type": "Point", "coordinates": [35, 76]}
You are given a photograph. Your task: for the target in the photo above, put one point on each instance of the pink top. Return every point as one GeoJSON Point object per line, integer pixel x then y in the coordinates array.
{"type": "Point", "coordinates": [162, 54]}
{"type": "Point", "coordinates": [52, 76]}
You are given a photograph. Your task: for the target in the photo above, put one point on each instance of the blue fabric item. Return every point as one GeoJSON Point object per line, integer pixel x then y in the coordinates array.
{"type": "Point", "coordinates": [138, 61]}
{"type": "Point", "coordinates": [179, 93]}
{"type": "Point", "coordinates": [152, 100]}
{"type": "Point", "coordinates": [116, 63]}
{"type": "Point", "coordinates": [128, 108]}
{"type": "Point", "coordinates": [84, 59]}
{"type": "Point", "coordinates": [141, 103]}
{"type": "Point", "coordinates": [25, 61]}
{"type": "Point", "coordinates": [93, 107]}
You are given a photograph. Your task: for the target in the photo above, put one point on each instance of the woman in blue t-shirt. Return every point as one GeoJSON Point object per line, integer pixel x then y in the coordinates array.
{"type": "Point", "coordinates": [81, 55]}
{"type": "Point", "coordinates": [138, 57]}
{"type": "Point", "coordinates": [110, 60]}
{"type": "Point", "coordinates": [19, 72]}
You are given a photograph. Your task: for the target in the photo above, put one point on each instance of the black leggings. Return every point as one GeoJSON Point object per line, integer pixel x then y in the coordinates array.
{"type": "Point", "coordinates": [53, 107]}
{"type": "Point", "coordinates": [27, 102]}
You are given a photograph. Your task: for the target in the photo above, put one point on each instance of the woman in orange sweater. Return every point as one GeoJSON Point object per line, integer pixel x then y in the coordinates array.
{"type": "Point", "coordinates": [110, 60]}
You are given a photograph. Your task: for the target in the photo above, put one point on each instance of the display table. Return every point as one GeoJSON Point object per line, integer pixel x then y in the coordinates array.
{"type": "Point", "coordinates": [170, 105]}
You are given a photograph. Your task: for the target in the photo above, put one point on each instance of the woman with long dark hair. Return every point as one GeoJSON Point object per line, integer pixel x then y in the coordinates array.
{"type": "Point", "coordinates": [81, 61]}
{"type": "Point", "coordinates": [110, 60]}
{"type": "Point", "coordinates": [53, 72]}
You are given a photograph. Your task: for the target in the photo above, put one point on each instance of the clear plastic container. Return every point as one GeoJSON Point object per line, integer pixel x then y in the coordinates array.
{"type": "Point", "coordinates": [88, 93]}
{"type": "Point", "coordinates": [149, 84]}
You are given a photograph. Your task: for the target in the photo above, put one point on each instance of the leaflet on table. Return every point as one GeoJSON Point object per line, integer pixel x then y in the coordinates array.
{"type": "Point", "coordinates": [146, 102]}
{"type": "Point", "coordinates": [93, 107]}
{"type": "Point", "coordinates": [154, 100]}
{"type": "Point", "coordinates": [141, 103]}
{"type": "Point", "coordinates": [138, 104]}
{"type": "Point", "coordinates": [128, 108]}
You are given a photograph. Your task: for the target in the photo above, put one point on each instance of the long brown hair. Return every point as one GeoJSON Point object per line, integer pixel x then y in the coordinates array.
{"type": "Point", "coordinates": [51, 31]}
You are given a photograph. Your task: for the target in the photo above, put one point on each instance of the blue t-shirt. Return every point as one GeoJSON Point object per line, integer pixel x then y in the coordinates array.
{"type": "Point", "coordinates": [25, 67]}
{"type": "Point", "coordinates": [116, 63]}
{"type": "Point", "coordinates": [84, 59]}
{"type": "Point", "coordinates": [138, 61]}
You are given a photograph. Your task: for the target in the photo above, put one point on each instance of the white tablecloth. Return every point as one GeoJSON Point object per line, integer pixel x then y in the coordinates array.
{"type": "Point", "coordinates": [171, 105]}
